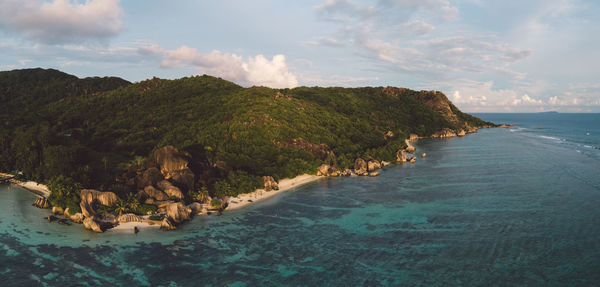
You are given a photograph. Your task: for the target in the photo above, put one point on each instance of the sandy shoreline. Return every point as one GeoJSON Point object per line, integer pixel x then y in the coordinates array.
{"type": "Point", "coordinates": [39, 189]}
{"type": "Point", "coordinates": [260, 194]}
{"type": "Point", "coordinates": [128, 227]}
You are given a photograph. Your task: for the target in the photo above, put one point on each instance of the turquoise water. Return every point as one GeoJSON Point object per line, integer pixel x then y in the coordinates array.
{"type": "Point", "coordinates": [503, 207]}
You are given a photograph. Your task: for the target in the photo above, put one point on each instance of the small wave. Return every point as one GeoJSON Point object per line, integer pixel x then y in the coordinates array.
{"type": "Point", "coordinates": [551, 138]}
{"type": "Point", "coordinates": [578, 151]}
{"type": "Point", "coordinates": [587, 146]}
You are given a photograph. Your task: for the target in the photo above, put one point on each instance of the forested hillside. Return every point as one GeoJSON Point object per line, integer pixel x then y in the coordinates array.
{"type": "Point", "coordinates": [92, 130]}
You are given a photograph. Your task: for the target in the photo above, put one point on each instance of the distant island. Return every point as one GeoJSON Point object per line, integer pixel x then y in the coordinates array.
{"type": "Point", "coordinates": [159, 151]}
{"type": "Point", "coordinates": [549, 112]}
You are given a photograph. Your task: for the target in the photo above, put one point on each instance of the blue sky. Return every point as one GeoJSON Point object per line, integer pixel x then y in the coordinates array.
{"type": "Point", "coordinates": [486, 56]}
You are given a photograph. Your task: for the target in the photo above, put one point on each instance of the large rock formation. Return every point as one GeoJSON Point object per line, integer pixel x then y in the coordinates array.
{"type": "Point", "coordinates": [170, 189]}
{"type": "Point", "coordinates": [89, 197]}
{"type": "Point", "coordinates": [178, 213]}
{"type": "Point", "coordinates": [77, 217]}
{"type": "Point", "coordinates": [196, 207]}
{"type": "Point", "coordinates": [410, 149]}
{"type": "Point", "coordinates": [444, 133]}
{"type": "Point", "coordinates": [373, 165]}
{"type": "Point", "coordinates": [167, 224]}
{"type": "Point", "coordinates": [151, 192]}
{"type": "Point", "coordinates": [270, 183]}
{"type": "Point", "coordinates": [327, 170]}
{"type": "Point", "coordinates": [42, 202]}
{"type": "Point", "coordinates": [57, 210]}
{"type": "Point", "coordinates": [91, 224]}
{"type": "Point", "coordinates": [360, 166]}
{"type": "Point", "coordinates": [150, 176]}
{"type": "Point", "coordinates": [400, 156]}
{"type": "Point", "coordinates": [174, 165]}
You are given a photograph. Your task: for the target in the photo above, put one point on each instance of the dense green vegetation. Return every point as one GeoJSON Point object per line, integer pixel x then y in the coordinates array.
{"type": "Point", "coordinates": [54, 125]}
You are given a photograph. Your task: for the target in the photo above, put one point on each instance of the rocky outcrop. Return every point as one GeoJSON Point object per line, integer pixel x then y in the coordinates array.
{"type": "Point", "coordinates": [374, 174]}
{"type": "Point", "coordinates": [150, 176]}
{"type": "Point", "coordinates": [410, 149]}
{"type": "Point", "coordinates": [321, 151]}
{"type": "Point", "coordinates": [424, 155]}
{"type": "Point", "coordinates": [174, 165]}
{"type": "Point", "coordinates": [444, 133]}
{"type": "Point", "coordinates": [89, 197]}
{"type": "Point", "coordinates": [270, 183]}
{"type": "Point", "coordinates": [184, 178]}
{"type": "Point", "coordinates": [327, 170]}
{"type": "Point", "coordinates": [360, 166]}
{"type": "Point", "coordinates": [91, 224]}
{"type": "Point", "coordinates": [167, 224]}
{"type": "Point", "coordinates": [373, 165]}
{"type": "Point", "coordinates": [400, 156]}
{"type": "Point", "coordinates": [169, 189]}
{"type": "Point", "coordinates": [77, 217]}
{"type": "Point", "coordinates": [57, 210]}
{"type": "Point", "coordinates": [128, 217]}
{"type": "Point", "coordinates": [178, 213]}
{"type": "Point", "coordinates": [42, 202]}
{"type": "Point", "coordinates": [413, 137]}
{"type": "Point", "coordinates": [413, 159]}
{"type": "Point", "coordinates": [196, 207]}
{"type": "Point", "coordinates": [153, 193]}
{"type": "Point", "coordinates": [461, 133]}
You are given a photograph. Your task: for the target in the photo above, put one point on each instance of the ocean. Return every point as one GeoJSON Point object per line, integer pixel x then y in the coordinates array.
{"type": "Point", "coordinates": [515, 206]}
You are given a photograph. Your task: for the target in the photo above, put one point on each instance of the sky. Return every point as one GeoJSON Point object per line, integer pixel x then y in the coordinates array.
{"type": "Point", "coordinates": [485, 55]}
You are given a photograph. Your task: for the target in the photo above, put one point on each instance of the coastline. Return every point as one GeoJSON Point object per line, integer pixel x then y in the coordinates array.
{"type": "Point", "coordinates": [242, 200]}
{"type": "Point", "coordinates": [32, 186]}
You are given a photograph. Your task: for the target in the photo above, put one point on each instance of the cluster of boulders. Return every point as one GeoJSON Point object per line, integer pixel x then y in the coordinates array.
{"type": "Point", "coordinates": [270, 183]}
{"type": "Point", "coordinates": [361, 168]}
{"type": "Point", "coordinates": [42, 202]}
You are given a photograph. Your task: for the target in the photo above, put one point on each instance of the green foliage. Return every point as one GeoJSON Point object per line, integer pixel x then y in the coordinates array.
{"type": "Point", "coordinates": [54, 124]}
{"type": "Point", "coordinates": [157, 217]}
{"type": "Point", "coordinates": [216, 203]}
{"type": "Point", "coordinates": [201, 195]}
{"type": "Point", "coordinates": [64, 192]}
{"type": "Point", "coordinates": [144, 209]}
{"type": "Point", "coordinates": [104, 210]}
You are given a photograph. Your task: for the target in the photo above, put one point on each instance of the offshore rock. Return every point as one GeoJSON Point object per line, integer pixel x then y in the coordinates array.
{"type": "Point", "coordinates": [178, 212]}
{"type": "Point", "coordinates": [424, 155]}
{"type": "Point", "coordinates": [91, 224]}
{"type": "Point", "coordinates": [170, 189]}
{"type": "Point", "coordinates": [360, 166]}
{"type": "Point", "coordinates": [91, 196]}
{"type": "Point", "coordinates": [270, 183]}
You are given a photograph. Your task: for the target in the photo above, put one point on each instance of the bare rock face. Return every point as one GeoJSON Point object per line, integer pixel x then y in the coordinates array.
{"type": "Point", "coordinates": [327, 170]}
{"type": "Point", "coordinates": [41, 202]}
{"type": "Point", "coordinates": [128, 217]}
{"type": "Point", "coordinates": [178, 213]}
{"type": "Point", "coordinates": [196, 207]}
{"type": "Point", "coordinates": [151, 192]}
{"type": "Point", "coordinates": [400, 156]}
{"type": "Point", "coordinates": [167, 224]}
{"type": "Point", "coordinates": [171, 160]}
{"type": "Point", "coordinates": [185, 178]}
{"type": "Point", "coordinates": [90, 224]}
{"type": "Point", "coordinates": [170, 189]}
{"type": "Point", "coordinates": [77, 217]}
{"type": "Point", "coordinates": [360, 166]}
{"type": "Point", "coordinates": [444, 133]}
{"type": "Point", "coordinates": [57, 210]}
{"type": "Point", "coordinates": [91, 196]}
{"type": "Point", "coordinates": [373, 165]}
{"type": "Point", "coordinates": [270, 183]}
{"type": "Point", "coordinates": [150, 176]}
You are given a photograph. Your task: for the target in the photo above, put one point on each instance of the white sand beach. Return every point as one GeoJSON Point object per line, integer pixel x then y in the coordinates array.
{"type": "Point", "coordinates": [242, 200]}
{"type": "Point", "coordinates": [33, 186]}
{"type": "Point", "coordinates": [129, 226]}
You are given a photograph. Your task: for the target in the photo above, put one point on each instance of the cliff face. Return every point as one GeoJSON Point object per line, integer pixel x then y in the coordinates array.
{"type": "Point", "coordinates": [438, 102]}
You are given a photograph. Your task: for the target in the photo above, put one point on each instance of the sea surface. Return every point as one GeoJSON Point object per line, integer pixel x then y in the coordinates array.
{"type": "Point", "coordinates": [515, 206]}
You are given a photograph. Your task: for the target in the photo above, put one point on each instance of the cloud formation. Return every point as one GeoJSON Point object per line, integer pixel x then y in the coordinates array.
{"type": "Point", "coordinates": [61, 21]}
{"type": "Point", "coordinates": [257, 70]}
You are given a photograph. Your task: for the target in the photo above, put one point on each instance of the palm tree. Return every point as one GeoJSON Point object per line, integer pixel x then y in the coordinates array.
{"type": "Point", "coordinates": [132, 202]}
{"type": "Point", "coordinates": [121, 207]}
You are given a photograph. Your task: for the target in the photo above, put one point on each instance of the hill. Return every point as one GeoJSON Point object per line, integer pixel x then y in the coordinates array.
{"type": "Point", "coordinates": [93, 130]}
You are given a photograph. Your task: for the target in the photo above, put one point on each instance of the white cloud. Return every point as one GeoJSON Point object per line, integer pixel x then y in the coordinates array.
{"type": "Point", "coordinates": [61, 21]}
{"type": "Point", "coordinates": [256, 70]}
{"type": "Point", "coordinates": [526, 100]}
